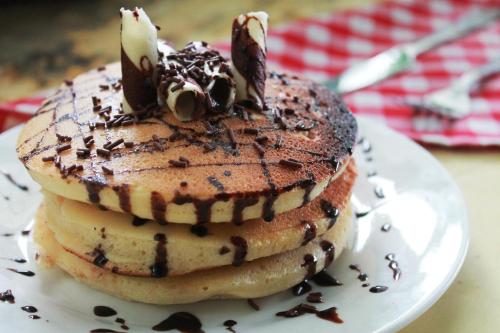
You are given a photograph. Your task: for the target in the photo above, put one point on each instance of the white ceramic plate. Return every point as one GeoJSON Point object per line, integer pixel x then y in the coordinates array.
{"type": "Point", "coordinates": [429, 236]}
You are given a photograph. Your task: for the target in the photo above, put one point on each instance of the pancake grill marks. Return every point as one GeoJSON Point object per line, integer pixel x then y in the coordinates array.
{"type": "Point", "coordinates": [320, 115]}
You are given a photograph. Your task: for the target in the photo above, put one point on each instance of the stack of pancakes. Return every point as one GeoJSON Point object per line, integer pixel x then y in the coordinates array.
{"type": "Point", "coordinates": [151, 209]}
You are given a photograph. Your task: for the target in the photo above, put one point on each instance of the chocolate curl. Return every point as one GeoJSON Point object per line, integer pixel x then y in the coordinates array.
{"type": "Point", "coordinates": [139, 56]}
{"type": "Point", "coordinates": [185, 98]}
{"type": "Point", "coordinates": [248, 55]}
{"type": "Point", "coordinates": [187, 102]}
{"type": "Point", "coordinates": [193, 81]}
{"type": "Point", "coordinates": [221, 89]}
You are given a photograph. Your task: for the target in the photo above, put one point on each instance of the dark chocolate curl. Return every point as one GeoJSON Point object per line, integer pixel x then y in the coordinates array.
{"type": "Point", "coordinates": [248, 54]}
{"type": "Point", "coordinates": [139, 56]}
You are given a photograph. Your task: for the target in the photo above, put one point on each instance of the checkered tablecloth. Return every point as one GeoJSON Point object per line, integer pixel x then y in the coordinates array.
{"type": "Point", "coordinates": [321, 47]}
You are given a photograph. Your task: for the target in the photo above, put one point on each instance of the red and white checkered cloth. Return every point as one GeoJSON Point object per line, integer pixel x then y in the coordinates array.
{"type": "Point", "coordinates": [323, 46]}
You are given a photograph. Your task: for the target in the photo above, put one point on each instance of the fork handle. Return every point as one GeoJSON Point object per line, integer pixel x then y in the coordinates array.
{"type": "Point", "coordinates": [472, 78]}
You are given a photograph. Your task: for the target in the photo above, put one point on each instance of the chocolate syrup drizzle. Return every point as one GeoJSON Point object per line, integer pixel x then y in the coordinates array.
{"type": "Point", "coordinates": [240, 251]}
{"type": "Point", "coordinates": [160, 268]}
{"type": "Point", "coordinates": [344, 138]}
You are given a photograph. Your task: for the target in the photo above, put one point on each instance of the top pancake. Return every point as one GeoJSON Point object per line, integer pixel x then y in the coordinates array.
{"type": "Point", "coordinates": [227, 178]}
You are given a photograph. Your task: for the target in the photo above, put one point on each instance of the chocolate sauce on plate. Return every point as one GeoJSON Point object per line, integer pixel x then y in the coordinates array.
{"type": "Point", "coordinates": [7, 296]}
{"type": "Point", "coordinates": [29, 309]}
{"type": "Point", "coordinates": [9, 177]}
{"type": "Point", "coordinates": [25, 273]}
{"type": "Point", "coordinates": [378, 289]}
{"type": "Point", "coordinates": [315, 297]}
{"type": "Point", "coordinates": [182, 321]}
{"type": "Point", "coordinates": [253, 304]}
{"type": "Point", "coordinates": [301, 288]}
{"type": "Point", "coordinates": [325, 280]}
{"type": "Point", "coordinates": [104, 311]}
{"type": "Point", "coordinates": [330, 314]}
{"type": "Point", "coordinates": [230, 324]}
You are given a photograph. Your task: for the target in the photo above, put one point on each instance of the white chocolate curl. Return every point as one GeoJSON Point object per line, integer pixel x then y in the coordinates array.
{"type": "Point", "coordinates": [194, 97]}
{"type": "Point", "coordinates": [249, 31]}
{"type": "Point", "coordinates": [139, 47]}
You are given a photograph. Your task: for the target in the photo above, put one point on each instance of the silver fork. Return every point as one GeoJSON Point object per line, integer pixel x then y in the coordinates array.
{"type": "Point", "coordinates": [454, 101]}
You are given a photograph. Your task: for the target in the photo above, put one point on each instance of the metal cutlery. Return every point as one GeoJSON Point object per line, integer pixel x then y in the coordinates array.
{"type": "Point", "coordinates": [402, 57]}
{"type": "Point", "coordinates": [454, 101]}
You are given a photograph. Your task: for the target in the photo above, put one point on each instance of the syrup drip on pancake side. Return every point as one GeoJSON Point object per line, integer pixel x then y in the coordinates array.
{"type": "Point", "coordinates": [330, 211]}
{"type": "Point", "coordinates": [158, 207]}
{"type": "Point", "coordinates": [239, 205]}
{"type": "Point", "coordinates": [160, 268]}
{"type": "Point", "coordinates": [203, 207]}
{"type": "Point", "coordinates": [199, 230]}
{"type": "Point", "coordinates": [309, 232]}
{"type": "Point", "coordinates": [322, 278]}
{"type": "Point", "coordinates": [138, 221]}
{"type": "Point", "coordinates": [240, 251]}
{"type": "Point", "coordinates": [310, 265]}
{"type": "Point", "coordinates": [182, 321]}
{"type": "Point", "coordinates": [329, 250]}
{"type": "Point", "coordinates": [123, 193]}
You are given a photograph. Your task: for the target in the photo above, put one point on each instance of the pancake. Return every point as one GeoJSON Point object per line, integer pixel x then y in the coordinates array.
{"type": "Point", "coordinates": [258, 278]}
{"type": "Point", "coordinates": [211, 170]}
{"type": "Point", "coordinates": [130, 245]}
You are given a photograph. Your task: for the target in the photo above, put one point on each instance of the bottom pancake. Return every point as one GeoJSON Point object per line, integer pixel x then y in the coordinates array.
{"type": "Point", "coordinates": [261, 277]}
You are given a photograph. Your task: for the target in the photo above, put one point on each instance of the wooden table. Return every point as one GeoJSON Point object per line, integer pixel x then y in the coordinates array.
{"type": "Point", "coordinates": [64, 39]}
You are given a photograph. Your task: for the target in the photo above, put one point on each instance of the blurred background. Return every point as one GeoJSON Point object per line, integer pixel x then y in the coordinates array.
{"type": "Point", "coordinates": [48, 41]}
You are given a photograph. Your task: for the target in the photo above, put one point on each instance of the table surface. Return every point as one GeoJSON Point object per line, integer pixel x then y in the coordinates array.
{"type": "Point", "coordinates": [84, 35]}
